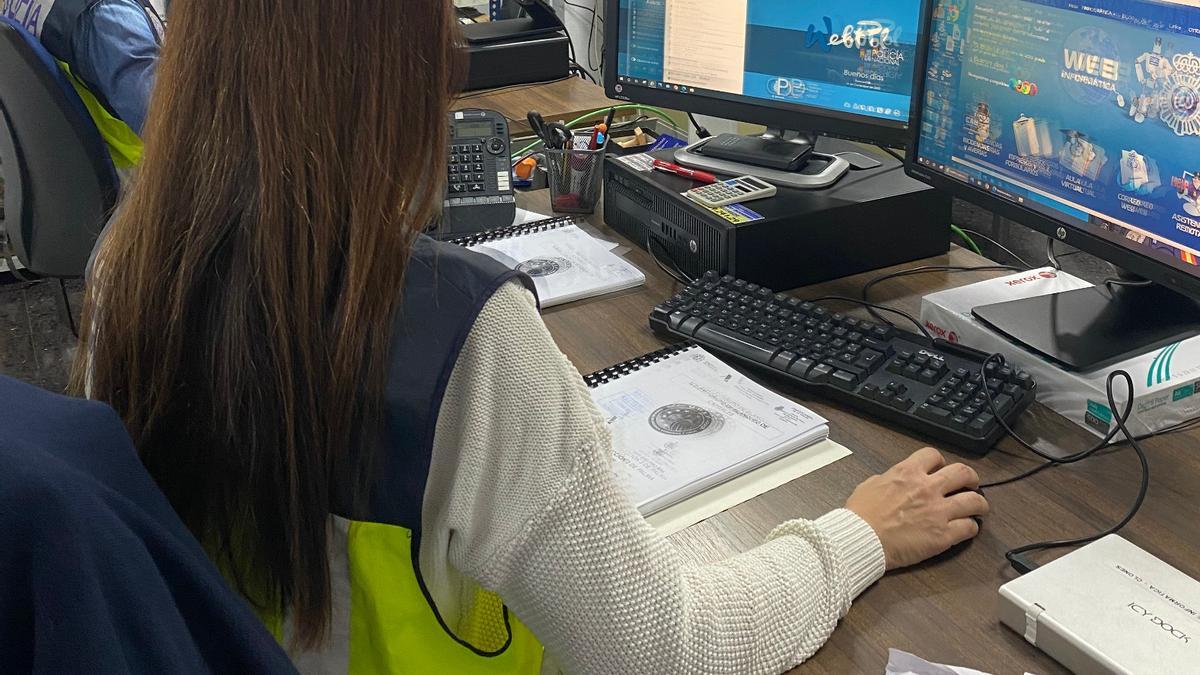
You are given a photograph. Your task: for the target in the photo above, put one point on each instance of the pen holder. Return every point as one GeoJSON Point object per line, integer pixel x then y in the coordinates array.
{"type": "Point", "coordinates": [575, 178]}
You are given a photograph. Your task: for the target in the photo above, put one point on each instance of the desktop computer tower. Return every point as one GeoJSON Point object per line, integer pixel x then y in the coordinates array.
{"type": "Point", "coordinates": [869, 219]}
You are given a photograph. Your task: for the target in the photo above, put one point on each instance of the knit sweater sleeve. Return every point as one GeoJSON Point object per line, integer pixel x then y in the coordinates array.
{"type": "Point", "coordinates": [523, 498]}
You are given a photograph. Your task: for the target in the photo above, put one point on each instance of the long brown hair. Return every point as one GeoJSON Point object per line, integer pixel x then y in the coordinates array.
{"type": "Point", "coordinates": [239, 314]}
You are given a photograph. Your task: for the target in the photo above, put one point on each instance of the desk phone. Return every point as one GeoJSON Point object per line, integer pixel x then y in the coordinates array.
{"type": "Point", "coordinates": [479, 194]}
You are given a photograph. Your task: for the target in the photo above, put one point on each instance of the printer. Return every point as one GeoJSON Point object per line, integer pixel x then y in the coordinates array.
{"type": "Point", "coordinates": [529, 43]}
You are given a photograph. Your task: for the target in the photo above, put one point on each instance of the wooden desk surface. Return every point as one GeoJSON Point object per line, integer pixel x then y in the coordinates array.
{"type": "Point", "coordinates": [565, 100]}
{"type": "Point", "coordinates": [944, 610]}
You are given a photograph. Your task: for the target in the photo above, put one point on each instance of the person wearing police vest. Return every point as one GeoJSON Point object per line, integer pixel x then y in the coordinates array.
{"type": "Point", "coordinates": [109, 50]}
{"type": "Point", "coordinates": [373, 433]}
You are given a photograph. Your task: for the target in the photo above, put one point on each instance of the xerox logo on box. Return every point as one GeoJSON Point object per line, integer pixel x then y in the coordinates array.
{"type": "Point", "coordinates": [1044, 274]}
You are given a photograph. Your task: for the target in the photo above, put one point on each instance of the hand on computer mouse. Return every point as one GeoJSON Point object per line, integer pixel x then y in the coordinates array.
{"type": "Point", "coordinates": [920, 507]}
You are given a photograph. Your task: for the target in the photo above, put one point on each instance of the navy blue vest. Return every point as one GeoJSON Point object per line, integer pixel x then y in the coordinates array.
{"type": "Point", "coordinates": [97, 573]}
{"type": "Point", "coordinates": [445, 288]}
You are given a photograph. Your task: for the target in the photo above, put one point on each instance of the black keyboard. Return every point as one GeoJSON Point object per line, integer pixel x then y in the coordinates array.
{"type": "Point", "coordinates": [931, 386]}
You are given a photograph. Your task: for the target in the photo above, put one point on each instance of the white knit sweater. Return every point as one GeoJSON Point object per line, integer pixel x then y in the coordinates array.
{"type": "Point", "coordinates": [521, 499]}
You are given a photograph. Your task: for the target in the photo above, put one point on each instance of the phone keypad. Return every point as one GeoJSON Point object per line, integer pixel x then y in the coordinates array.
{"type": "Point", "coordinates": [465, 171]}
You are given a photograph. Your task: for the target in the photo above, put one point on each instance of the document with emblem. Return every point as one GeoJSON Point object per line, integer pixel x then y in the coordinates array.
{"type": "Point", "coordinates": [684, 422]}
{"type": "Point", "coordinates": [565, 263]}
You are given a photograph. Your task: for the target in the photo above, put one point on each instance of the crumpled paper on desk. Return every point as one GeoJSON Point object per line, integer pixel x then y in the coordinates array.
{"type": "Point", "coordinates": [903, 663]}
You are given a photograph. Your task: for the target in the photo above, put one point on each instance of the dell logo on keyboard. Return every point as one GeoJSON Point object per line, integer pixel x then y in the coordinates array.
{"type": "Point", "coordinates": [1157, 621]}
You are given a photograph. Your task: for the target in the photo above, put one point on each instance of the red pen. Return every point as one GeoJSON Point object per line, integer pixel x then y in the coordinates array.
{"type": "Point", "coordinates": [699, 176]}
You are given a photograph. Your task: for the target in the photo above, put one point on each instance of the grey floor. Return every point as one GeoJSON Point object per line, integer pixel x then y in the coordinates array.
{"type": "Point", "coordinates": [36, 344]}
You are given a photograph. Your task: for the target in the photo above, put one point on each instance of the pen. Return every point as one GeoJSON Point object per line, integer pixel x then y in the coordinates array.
{"type": "Point", "coordinates": [700, 176]}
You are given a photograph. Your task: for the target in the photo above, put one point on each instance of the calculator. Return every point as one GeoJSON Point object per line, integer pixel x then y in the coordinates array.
{"type": "Point", "coordinates": [732, 191]}
{"type": "Point", "coordinates": [479, 194]}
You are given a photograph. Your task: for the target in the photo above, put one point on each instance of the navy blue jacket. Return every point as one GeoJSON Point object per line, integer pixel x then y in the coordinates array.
{"type": "Point", "coordinates": [97, 573]}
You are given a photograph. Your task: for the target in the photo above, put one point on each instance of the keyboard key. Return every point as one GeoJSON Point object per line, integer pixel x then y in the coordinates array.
{"type": "Point", "coordinates": [869, 360]}
{"type": "Point", "coordinates": [981, 425]}
{"type": "Point", "coordinates": [783, 359]}
{"type": "Point", "coordinates": [819, 373]}
{"type": "Point", "coordinates": [801, 366]}
{"type": "Point", "coordinates": [896, 366]}
{"type": "Point", "coordinates": [928, 375]}
{"type": "Point", "coordinates": [882, 332]}
{"type": "Point", "coordinates": [843, 380]}
{"type": "Point", "coordinates": [1003, 403]}
{"type": "Point", "coordinates": [932, 413]}
{"type": "Point", "coordinates": [884, 348]}
{"type": "Point", "coordinates": [723, 338]}
{"type": "Point", "coordinates": [960, 422]}
{"type": "Point", "coordinates": [1023, 380]}
{"type": "Point", "coordinates": [871, 391]}
{"type": "Point", "coordinates": [903, 403]}
{"type": "Point", "coordinates": [911, 371]}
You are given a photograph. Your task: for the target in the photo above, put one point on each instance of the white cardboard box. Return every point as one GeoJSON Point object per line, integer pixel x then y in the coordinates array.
{"type": "Point", "coordinates": [1109, 607]}
{"type": "Point", "coordinates": [1166, 381]}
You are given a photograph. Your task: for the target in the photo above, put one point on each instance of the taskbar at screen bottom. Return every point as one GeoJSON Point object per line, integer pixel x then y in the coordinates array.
{"type": "Point", "coordinates": [850, 104]}
{"type": "Point", "coordinates": [1178, 256]}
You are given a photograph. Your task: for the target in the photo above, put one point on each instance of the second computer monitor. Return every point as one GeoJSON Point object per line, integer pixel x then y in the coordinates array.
{"type": "Point", "coordinates": [835, 67]}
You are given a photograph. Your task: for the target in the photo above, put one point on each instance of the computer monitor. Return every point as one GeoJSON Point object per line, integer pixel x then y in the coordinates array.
{"type": "Point", "coordinates": [1081, 121]}
{"type": "Point", "coordinates": [836, 67]}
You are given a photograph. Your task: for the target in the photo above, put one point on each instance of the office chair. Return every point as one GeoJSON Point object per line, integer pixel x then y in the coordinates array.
{"type": "Point", "coordinates": [59, 182]}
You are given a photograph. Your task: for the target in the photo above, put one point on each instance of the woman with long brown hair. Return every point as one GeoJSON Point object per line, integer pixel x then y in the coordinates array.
{"type": "Point", "coordinates": [373, 434]}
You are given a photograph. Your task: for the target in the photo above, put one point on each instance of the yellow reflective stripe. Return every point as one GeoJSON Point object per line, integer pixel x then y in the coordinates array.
{"type": "Point", "coordinates": [123, 145]}
{"type": "Point", "coordinates": [394, 630]}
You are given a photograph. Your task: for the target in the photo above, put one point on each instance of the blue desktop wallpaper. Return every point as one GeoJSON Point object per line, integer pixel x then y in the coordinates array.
{"type": "Point", "coordinates": [854, 56]}
{"type": "Point", "coordinates": [1091, 111]}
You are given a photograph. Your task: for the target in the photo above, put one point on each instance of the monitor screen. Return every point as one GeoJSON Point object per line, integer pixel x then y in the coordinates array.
{"type": "Point", "coordinates": [1084, 113]}
{"type": "Point", "coordinates": [850, 59]}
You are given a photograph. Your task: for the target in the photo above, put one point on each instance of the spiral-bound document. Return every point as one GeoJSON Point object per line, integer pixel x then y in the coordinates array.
{"type": "Point", "coordinates": [565, 263]}
{"type": "Point", "coordinates": [684, 422]}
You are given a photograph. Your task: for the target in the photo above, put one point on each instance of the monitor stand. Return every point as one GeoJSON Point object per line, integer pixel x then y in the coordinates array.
{"type": "Point", "coordinates": [819, 170]}
{"type": "Point", "coordinates": [1090, 328]}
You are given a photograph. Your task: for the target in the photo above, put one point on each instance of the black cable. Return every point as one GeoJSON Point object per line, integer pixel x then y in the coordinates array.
{"type": "Point", "coordinates": [1050, 255]}
{"type": "Point", "coordinates": [881, 308]}
{"type": "Point", "coordinates": [1136, 283]}
{"type": "Point", "coordinates": [583, 73]}
{"type": "Point", "coordinates": [677, 274]}
{"type": "Point", "coordinates": [895, 155]}
{"type": "Point", "coordinates": [700, 130]}
{"type": "Point", "coordinates": [1016, 555]}
{"type": "Point", "coordinates": [591, 33]}
{"type": "Point", "coordinates": [923, 269]}
{"type": "Point", "coordinates": [1175, 428]}
{"type": "Point", "coordinates": [1000, 246]}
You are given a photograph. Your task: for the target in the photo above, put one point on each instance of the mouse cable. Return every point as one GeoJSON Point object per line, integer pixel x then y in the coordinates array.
{"type": "Point", "coordinates": [925, 269]}
{"type": "Point", "coordinates": [1017, 557]}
